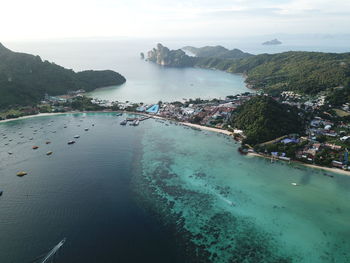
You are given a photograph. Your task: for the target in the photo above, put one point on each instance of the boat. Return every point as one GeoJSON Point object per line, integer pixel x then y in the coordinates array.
{"type": "Point", "coordinates": [76, 136]}
{"type": "Point", "coordinates": [47, 142]}
{"type": "Point", "coordinates": [50, 256]}
{"type": "Point", "coordinates": [22, 173]}
{"type": "Point", "coordinates": [35, 147]}
{"type": "Point", "coordinates": [118, 114]}
{"type": "Point", "coordinates": [10, 153]}
{"type": "Point", "coordinates": [124, 122]}
{"type": "Point", "coordinates": [1, 192]}
{"type": "Point", "coordinates": [49, 153]}
{"type": "Point", "coordinates": [71, 142]}
{"type": "Point", "coordinates": [295, 184]}
{"type": "Point", "coordinates": [86, 129]}
{"type": "Point", "coordinates": [135, 123]}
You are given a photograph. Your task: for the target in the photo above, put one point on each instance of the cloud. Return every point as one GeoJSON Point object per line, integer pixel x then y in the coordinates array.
{"type": "Point", "coordinates": [79, 18]}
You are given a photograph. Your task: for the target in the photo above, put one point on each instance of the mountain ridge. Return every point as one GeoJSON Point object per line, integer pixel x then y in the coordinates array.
{"type": "Point", "coordinates": [301, 71]}
{"type": "Point", "coordinates": [25, 78]}
{"type": "Point", "coordinates": [217, 51]}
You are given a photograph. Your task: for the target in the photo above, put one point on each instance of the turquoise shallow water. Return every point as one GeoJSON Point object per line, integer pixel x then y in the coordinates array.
{"type": "Point", "coordinates": [244, 209]}
{"type": "Point", "coordinates": [161, 192]}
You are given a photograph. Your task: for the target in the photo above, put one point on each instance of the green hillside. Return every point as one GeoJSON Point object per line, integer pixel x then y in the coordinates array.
{"type": "Point", "coordinates": [304, 72]}
{"type": "Point", "coordinates": [24, 78]}
{"type": "Point", "coordinates": [264, 119]}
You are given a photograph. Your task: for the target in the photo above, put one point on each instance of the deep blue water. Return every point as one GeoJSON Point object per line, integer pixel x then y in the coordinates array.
{"type": "Point", "coordinates": [81, 192]}
{"type": "Point", "coordinates": [160, 192]}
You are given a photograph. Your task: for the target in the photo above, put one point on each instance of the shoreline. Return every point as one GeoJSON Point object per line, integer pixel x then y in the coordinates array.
{"type": "Point", "coordinates": [313, 166]}
{"type": "Point", "coordinates": [226, 132]}
{"type": "Point", "coordinates": [201, 127]}
{"type": "Point", "coordinates": [127, 112]}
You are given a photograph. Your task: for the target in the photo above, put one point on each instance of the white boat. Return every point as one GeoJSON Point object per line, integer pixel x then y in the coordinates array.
{"type": "Point", "coordinates": [76, 136]}
{"type": "Point", "coordinates": [51, 254]}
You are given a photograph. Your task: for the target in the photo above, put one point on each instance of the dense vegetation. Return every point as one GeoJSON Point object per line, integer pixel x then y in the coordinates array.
{"type": "Point", "coordinates": [303, 72]}
{"type": "Point", "coordinates": [24, 79]}
{"type": "Point", "coordinates": [83, 104]}
{"type": "Point", "coordinates": [337, 97]}
{"type": "Point", "coordinates": [217, 52]}
{"type": "Point", "coordinates": [264, 119]}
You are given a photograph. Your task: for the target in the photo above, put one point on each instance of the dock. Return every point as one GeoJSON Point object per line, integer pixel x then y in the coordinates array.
{"type": "Point", "coordinates": [134, 121]}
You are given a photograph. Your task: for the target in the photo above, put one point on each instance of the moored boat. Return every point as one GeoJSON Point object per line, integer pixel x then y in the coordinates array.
{"type": "Point", "coordinates": [124, 122]}
{"type": "Point", "coordinates": [71, 142]}
{"type": "Point", "coordinates": [22, 173]}
{"type": "Point", "coordinates": [49, 153]}
{"type": "Point", "coordinates": [35, 147]}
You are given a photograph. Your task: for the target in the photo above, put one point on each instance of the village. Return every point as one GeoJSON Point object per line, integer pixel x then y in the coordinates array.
{"type": "Point", "coordinates": [325, 141]}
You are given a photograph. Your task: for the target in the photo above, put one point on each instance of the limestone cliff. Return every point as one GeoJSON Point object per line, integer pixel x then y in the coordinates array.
{"type": "Point", "coordinates": [165, 57]}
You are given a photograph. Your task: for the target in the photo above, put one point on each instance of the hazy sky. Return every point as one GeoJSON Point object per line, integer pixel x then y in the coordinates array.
{"type": "Point", "coordinates": [42, 19]}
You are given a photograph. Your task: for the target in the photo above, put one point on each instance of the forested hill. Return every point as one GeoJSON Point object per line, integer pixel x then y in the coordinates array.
{"type": "Point", "coordinates": [25, 78]}
{"type": "Point", "coordinates": [304, 72]}
{"type": "Point", "coordinates": [264, 119]}
{"type": "Point", "coordinates": [217, 52]}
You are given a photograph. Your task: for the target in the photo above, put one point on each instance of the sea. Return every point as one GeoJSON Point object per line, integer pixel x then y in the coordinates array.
{"type": "Point", "coordinates": [159, 192]}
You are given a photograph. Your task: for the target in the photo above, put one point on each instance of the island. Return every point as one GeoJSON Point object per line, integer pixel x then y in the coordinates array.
{"type": "Point", "coordinates": [272, 42]}
{"type": "Point", "coordinates": [308, 73]}
{"type": "Point", "coordinates": [25, 79]}
{"type": "Point", "coordinates": [163, 56]}
{"type": "Point", "coordinates": [217, 51]}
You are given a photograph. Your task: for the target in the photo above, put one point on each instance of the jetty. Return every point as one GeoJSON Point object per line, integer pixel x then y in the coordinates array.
{"type": "Point", "coordinates": [134, 121]}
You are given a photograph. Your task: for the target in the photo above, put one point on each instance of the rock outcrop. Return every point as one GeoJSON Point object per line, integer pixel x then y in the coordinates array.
{"type": "Point", "coordinates": [165, 57]}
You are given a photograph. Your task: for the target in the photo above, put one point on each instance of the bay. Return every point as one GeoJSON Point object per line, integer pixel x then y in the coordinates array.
{"type": "Point", "coordinates": [160, 192]}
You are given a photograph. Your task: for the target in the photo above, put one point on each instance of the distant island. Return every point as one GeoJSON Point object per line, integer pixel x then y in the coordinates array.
{"type": "Point", "coordinates": [25, 79]}
{"type": "Point", "coordinates": [303, 72]}
{"type": "Point", "coordinates": [272, 42]}
{"type": "Point", "coordinates": [217, 51]}
{"type": "Point", "coordinates": [166, 57]}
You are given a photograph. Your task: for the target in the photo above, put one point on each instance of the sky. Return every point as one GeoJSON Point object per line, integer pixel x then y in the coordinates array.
{"type": "Point", "coordinates": [52, 19]}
